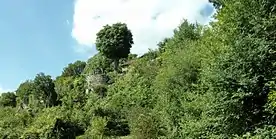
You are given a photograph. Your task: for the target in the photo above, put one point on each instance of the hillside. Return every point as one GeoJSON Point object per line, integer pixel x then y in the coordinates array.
{"type": "Point", "coordinates": [215, 81]}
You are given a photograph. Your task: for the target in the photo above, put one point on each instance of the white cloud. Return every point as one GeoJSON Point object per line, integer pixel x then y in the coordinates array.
{"type": "Point", "coordinates": [67, 22]}
{"type": "Point", "coordinates": [91, 15]}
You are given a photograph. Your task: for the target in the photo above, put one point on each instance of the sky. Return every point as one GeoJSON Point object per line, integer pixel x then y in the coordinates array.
{"type": "Point", "coordinates": [46, 35]}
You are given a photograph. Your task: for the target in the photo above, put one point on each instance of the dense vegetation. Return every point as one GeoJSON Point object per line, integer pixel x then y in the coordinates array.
{"type": "Point", "coordinates": [214, 81]}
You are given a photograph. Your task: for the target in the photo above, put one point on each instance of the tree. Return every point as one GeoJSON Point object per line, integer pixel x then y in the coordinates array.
{"type": "Point", "coordinates": [132, 56]}
{"type": "Point", "coordinates": [187, 31]}
{"type": "Point", "coordinates": [8, 99]}
{"type": "Point", "coordinates": [71, 90]}
{"type": "Point", "coordinates": [74, 69]}
{"type": "Point", "coordinates": [13, 123]}
{"type": "Point", "coordinates": [114, 42]}
{"type": "Point", "coordinates": [24, 91]}
{"type": "Point", "coordinates": [161, 45]}
{"type": "Point", "coordinates": [241, 75]}
{"type": "Point", "coordinates": [98, 63]}
{"type": "Point", "coordinates": [52, 123]}
{"type": "Point", "coordinates": [45, 90]}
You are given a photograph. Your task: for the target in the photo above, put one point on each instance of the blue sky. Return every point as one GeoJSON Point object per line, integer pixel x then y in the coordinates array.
{"type": "Point", "coordinates": [35, 37]}
{"type": "Point", "coordinates": [39, 36]}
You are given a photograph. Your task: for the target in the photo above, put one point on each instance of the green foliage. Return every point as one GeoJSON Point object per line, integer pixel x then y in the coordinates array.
{"type": "Point", "coordinates": [150, 55]}
{"type": "Point", "coordinates": [241, 75]}
{"type": "Point", "coordinates": [271, 105]}
{"type": "Point", "coordinates": [74, 69]}
{"type": "Point", "coordinates": [100, 90]}
{"type": "Point", "coordinates": [135, 87]}
{"type": "Point", "coordinates": [144, 124]}
{"type": "Point", "coordinates": [267, 132]}
{"type": "Point", "coordinates": [98, 64]}
{"type": "Point", "coordinates": [162, 44]}
{"type": "Point", "coordinates": [45, 93]}
{"type": "Point", "coordinates": [114, 42]}
{"type": "Point", "coordinates": [187, 31]}
{"type": "Point", "coordinates": [37, 93]}
{"type": "Point", "coordinates": [214, 81]}
{"type": "Point", "coordinates": [52, 123]}
{"type": "Point", "coordinates": [96, 129]}
{"type": "Point", "coordinates": [181, 101]}
{"type": "Point", "coordinates": [13, 122]}
{"type": "Point", "coordinates": [132, 56]}
{"type": "Point", "coordinates": [71, 90]}
{"type": "Point", "coordinates": [8, 99]}
{"type": "Point", "coordinates": [24, 92]}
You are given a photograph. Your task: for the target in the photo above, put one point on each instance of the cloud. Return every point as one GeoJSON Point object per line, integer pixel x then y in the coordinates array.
{"type": "Point", "coordinates": [149, 20]}
{"type": "Point", "coordinates": [67, 22]}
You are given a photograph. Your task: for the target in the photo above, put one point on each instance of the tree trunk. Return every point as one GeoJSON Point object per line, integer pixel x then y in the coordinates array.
{"type": "Point", "coordinates": [116, 65]}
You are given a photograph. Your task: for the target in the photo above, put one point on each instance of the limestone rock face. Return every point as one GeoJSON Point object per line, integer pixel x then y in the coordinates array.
{"type": "Point", "coordinates": [96, 80]}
